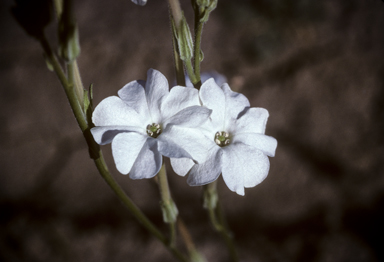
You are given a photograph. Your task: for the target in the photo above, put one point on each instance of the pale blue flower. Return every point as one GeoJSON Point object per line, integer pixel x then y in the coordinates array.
{"type": "Point", "coordinates": [146, 122]}
{"type": "Point", "coordinates": [232, 143]}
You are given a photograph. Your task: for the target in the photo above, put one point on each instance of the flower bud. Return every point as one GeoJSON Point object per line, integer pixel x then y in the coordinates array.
{"type": "Point", "coordinates": [69, 47]}
{"type": "Point", "coordinates": [184, 39]}
{"type": "Point", "coordinates": [205, 7]}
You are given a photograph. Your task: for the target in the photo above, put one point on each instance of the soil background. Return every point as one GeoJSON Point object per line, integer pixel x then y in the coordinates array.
{"type": "Point", "coordinates": [317, 66]}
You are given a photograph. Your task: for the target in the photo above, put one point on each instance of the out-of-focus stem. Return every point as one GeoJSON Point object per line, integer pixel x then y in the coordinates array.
{"type": "Point", "coordinates": [169, 208]}
{"type": "Point", "coordinates": [58, 7]}
{"type": "Point", "coordinates": [136, 212]}
{"type": "Point", "coordinates": [186, 236]}
{"type": "Point", "coordinates": [212, 203]}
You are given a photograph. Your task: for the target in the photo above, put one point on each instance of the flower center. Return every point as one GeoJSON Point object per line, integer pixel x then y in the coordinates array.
{"type": "Point", "coordinates": [222, 138]}
{"type": "Point", "coordinates": [153, 130]}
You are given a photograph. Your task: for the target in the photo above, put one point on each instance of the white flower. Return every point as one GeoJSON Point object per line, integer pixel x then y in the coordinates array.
{"type": "Point", "coordinates": [232, 143]}
{"type": "Point", "coordinates": [140, 2]}
{"type": "Point", "coordinates": [145, 123]}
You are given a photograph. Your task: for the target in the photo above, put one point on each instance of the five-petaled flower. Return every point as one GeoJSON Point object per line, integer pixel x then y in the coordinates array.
{"type": "Point", "coordinates": [232, 143]}
{"type": "Point", "coordinates": [146, 122]}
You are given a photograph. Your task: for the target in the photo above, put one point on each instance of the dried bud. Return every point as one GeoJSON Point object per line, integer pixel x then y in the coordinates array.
{"type": "Point", "coordinates": [33, 16]}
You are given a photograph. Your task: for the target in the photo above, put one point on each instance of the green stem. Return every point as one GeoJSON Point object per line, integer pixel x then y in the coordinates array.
{"type": "Point", "coordinates": [197, 50]}
{"type": "Point", "coordinates": [211, 202]}
{"type": "Point", "coordinates": [103, 169]}
{"type": "Point", "coordinates": [179, 66]}
{"type": "Point", "coordinates": [169, 208]}
{"type": "Point", "coordinates": [68, 87]}
{"type": "Point", "coordinates": [191, 74]}
{"type": "Point", "coordinates": [58, 7]}
{"type": "Point", "coordinates": [176, 12]}
{"type": "Point", "coordinates": [75, 79]}
{"type": "Point", "coordinates": [186, 236]}
{"type": "Point", "coordinates": [136, 212]}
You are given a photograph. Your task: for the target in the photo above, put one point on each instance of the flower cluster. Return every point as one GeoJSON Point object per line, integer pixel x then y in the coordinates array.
{"type": "Point", "coordinates": [205, 133]}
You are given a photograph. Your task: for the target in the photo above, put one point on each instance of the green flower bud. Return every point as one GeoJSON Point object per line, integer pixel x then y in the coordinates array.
{"type": "Point", "coordinates": [69, 47]}
{"type": "Point", "coordinates": [184, 39]}
{"type": "Point", "coordinates": [205, 7]}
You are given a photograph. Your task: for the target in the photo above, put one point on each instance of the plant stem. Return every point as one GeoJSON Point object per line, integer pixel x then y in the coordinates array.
{"type": "Point", "coordinates": [58, 7]}
{"type": "Point", "coordinates": [75, 80]}
{"type": "Point", "coordinates": [216, 216]}
{"type": "Point", "coordinates": [179, 66]}
{"type": "Point", "coordinates": [104, 172]}
{"type": "Point", "coordinates": [197, 46]}
{"type": "Point", "coordinates": [192, 251]}
{"type": "Point", "coordinates": [191, 74]}
{"type": "Point", "coordinates": [68, 87]}
{"type": "Point", "coordinates": [136, 212]}
{"type": "Point", "coordinates": [169, 208]}
{"type": "Point", "coordinates": [177, 15]}
{"type": "Point", "coordinates": [176, 12]}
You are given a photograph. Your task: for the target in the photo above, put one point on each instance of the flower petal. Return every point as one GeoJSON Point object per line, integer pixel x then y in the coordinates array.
{"type": "Point", "coordinates": [254, 120]}
{"type": "Point", "coordinates": [156, 89]}
{"type": "Point", "coordinates": [243, 166]}
{"type": "Point", "coordinates": [112, 111]}
{"type": "Point", "coordinates": [179, 97]}
{"type": "Point", "coordinates": [208, 171]}
{"type": "Point", "coordinates": [125, 150]}
{"type": "Point", "coordinates": [190, 140]}
{"type": "Point", "coordinates": [148, 162]}
{"type": "Point", "coordinates": [266, 144]}
{"type": "Point", "coordinates": [104, 134]}
{"type": "Point", "coordinates": [260, 172]}
{"type": "Point", "coordinates": [234, 102]}
{"type": "Point", "coordinates": [167, 147]}
{"type": "Point", "coordinates": [212, 97]}
{"type": "Point", "coordinates": [181, 166]}
{"type": "Point", "coordinates": [192, 116]}
{"type": "Point", "coordinates": [133, 94]}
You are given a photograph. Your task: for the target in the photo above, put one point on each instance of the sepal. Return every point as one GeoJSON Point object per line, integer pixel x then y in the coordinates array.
{"type": "Point", "coordinates": [184, 39]}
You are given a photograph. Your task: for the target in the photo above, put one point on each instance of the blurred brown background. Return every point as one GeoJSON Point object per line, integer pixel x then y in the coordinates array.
{"type": "Point", "coordinates": [317, 66]}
